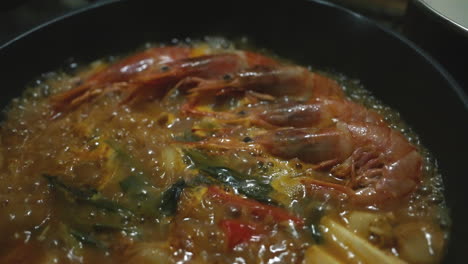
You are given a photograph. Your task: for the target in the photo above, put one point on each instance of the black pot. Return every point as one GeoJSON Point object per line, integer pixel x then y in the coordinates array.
{"type": "Point", "coordinates": [440, 35]}
{"type": "Point", "coordinates": [308, 32]}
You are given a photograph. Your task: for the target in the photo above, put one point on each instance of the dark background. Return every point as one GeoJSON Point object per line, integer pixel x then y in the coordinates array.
{"type": "Point", "coordinates": [17, 16]}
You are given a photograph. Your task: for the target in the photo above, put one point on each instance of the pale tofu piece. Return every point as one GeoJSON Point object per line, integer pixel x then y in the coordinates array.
{"type": "Point", "coordinates": [318, 255]}
{"type": "Point", "coordinates": [357, 249]}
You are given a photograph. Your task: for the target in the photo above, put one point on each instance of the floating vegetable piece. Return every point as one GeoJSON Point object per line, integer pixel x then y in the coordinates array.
{"type": "Point", "coordinates": [189, 136]}
{"type": "Point", "coordinates": [71, 243]}
{"type": "Point", "coordinates": [147, 253]}
{"type": "Point", "coordinates": [125, 158]}
{"type": "Point", "coordinates": [350, 244]}
{"type": "Point", "coordinates": [238, 231]}
{"type": "Point", "coordinates": [88, 239]}
{"type": "Point", "coordinates": [420, 242]}
{"type": "Point", "coordinates": [255, 208]}
{"type": "Point", "coordinates": [243, 183]}
{"type": "Point", "coordinates": [80, 202]}
{"type": "Point", "coordinates": [87, 196]}
{"type": "Point", "coordinates": [171, 160]}
{"type": "Point", "coordinates": [250, 188]}
{"type": "Point", "coordinates": [201, 160]}
{"type": "Point", "coordinates": [371, 225]}
{"type": "Point", "coordinates": [104, 227]}
{"type": "Point", "coordinates": [169, 199]}
{"type": "Point", "coordinates": [318, 255]}
{"type": "Point", "coordinates": [142, 197]}
{"type": "Point", "coordinates": [315, 211]}
{"type": "Point", "coordinates": [148, 201]}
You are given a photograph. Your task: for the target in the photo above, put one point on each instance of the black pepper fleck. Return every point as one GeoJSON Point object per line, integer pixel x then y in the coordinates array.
{"type": "Point", "coordinates": [165, 68]}
{"type": "Point", "coordinates": [227, 77]}
{"type": "Point", "coordinates": [247, 139]}
{"type": "Point", "coordinates": [242, 113]}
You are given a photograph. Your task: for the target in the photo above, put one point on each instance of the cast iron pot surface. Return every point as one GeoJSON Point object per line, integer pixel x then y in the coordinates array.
{"type": "Point", "coordinates": [443, 38]}
{"type": "Point", "coordinates": [308, 32]}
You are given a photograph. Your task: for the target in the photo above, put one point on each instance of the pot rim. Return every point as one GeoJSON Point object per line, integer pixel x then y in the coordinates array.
{"type": "Point", "coordinates": [444, 19]}
{"type": "Point", "coordinates": [462, 96]}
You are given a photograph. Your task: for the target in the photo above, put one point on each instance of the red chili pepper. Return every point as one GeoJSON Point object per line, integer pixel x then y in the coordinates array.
{"type": "Point", "coordinates": [238, 232]}
{"type": "Point", "coordinates": [256, 208]}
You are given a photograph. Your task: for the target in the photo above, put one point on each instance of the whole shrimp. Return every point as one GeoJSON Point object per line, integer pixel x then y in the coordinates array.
{"type": "Point", "coordinates": [378, 164]}
{"type": "Point", "coordinates": [153, 72]}
{"type": "Point", "coordinates": [266, 82]}
{"type": "Point", "coordinates": [318, 112]}
{"type": "Point", "coordinates": [276, 80]}
{"type": "Point", "coordinates": [156, 70]}
{"type": "Point", "coordinates": [121, 71]}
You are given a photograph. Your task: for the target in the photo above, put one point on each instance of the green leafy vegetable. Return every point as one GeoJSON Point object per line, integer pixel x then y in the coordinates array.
{"type": "Point", "coordinates": [86, 195]}
{"type": "Point", "coordinates": [122, 155]}
{"type": "Point", "coordinates": [79, 202]}
{"type": "Point", "coordinates": [126, 160]}
{"type": "Point", "coordinates": [143, 197]}
{"type": "Point", "coordinates": [243, 183]}
{"type": "Point", "coordinates": [71, 193]}
{"type": "Point", "coordinates": [188, 136]}
{"type": "Point", "coordinates": [249, 187]}
{"type": "Point", "coordinates": [88, 239]}
{"type": "Point", "coordinates": [315, 211]}
{"type": "Point", "coordinates": [170, 198]}
{"type": "Point", "coordinates": [104, 227]}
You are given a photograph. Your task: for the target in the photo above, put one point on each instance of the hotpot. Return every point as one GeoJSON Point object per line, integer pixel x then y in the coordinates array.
{"type": "Point", "coordinates": [315, 33]}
